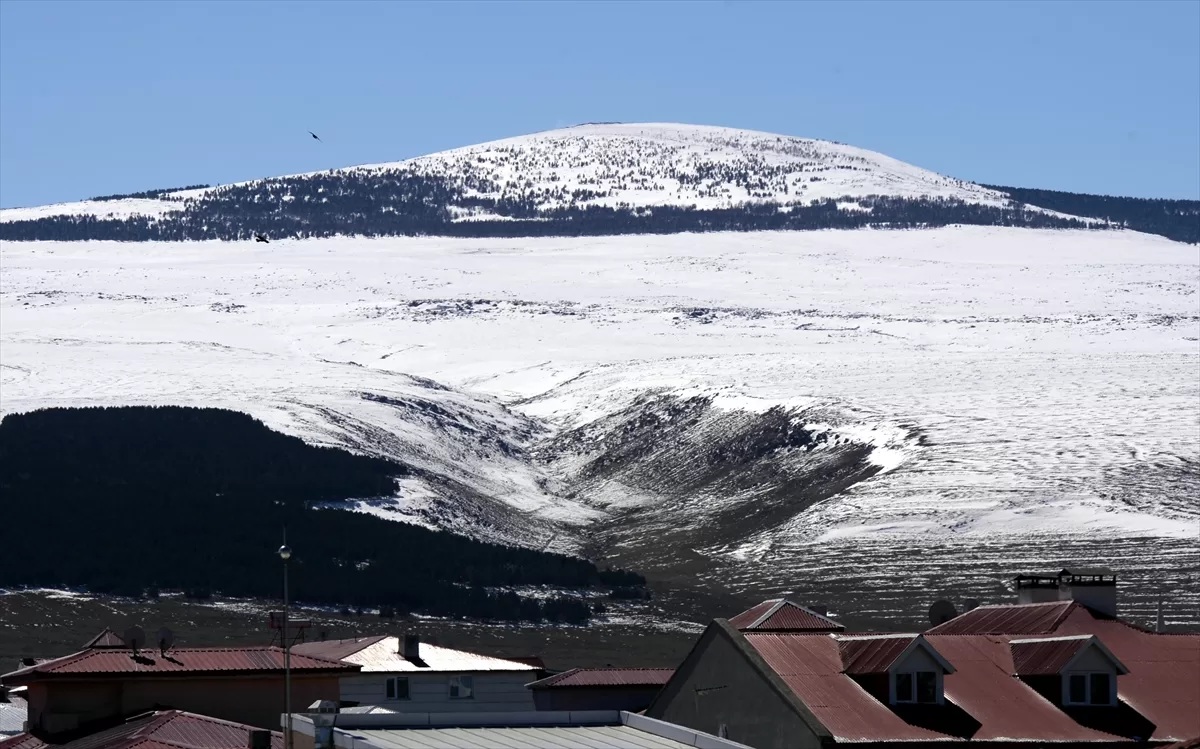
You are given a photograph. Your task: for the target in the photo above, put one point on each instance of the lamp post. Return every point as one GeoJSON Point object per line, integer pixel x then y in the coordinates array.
{"type": "Point", "coordinates": [285, 553]}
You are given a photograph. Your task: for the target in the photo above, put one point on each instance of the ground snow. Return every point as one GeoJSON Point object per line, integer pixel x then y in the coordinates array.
{"type": "Point", "coordinates": [1010, 382]}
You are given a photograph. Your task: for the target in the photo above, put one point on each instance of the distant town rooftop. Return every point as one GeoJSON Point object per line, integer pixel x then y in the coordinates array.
{"type": "Point", "coordinates": [387, 654]}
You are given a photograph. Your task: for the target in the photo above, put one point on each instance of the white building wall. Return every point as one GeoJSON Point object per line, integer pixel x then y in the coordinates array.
{"type": "Point", "coordinates": [494, 691]}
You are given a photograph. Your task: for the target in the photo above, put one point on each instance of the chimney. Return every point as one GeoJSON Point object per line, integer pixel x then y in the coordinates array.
{"type": "Point", "coordinates": [412, 647]}
{"type": "Point", "coordinates": [1093, 587]}
{"type": "Point", "coordinates": [258, 739]}
{"type": "Point", "coordinates": [822, 610]}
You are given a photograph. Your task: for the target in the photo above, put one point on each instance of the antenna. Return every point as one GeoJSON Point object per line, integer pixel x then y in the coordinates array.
{"type": "Point", "coordinates": [135, 638]}
{"type": "Point", "coordinates": [165, 638]}
{"type": "Point", "coordinates": [941, 612]}
{"type": "Point", "coordinates": [970, 605]}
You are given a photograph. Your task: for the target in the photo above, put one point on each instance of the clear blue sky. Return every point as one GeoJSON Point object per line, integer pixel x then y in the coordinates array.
{"type": "Point", "coordinates": [99, 97]}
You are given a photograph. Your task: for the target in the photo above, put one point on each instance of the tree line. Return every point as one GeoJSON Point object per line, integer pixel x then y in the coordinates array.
{"type": "Point", "coordinates": [403, 202]}
{"type": "Point", "coordinates": [1173, 219]}
{"type": "Point", "coordinates": [134, 500]}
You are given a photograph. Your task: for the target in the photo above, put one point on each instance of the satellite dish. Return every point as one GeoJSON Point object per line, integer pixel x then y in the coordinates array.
{"type": "Point", "coordinates": [165, 638]}
{"type": "Point", "coordinates": [134, 637]}
{"type": "Point", "coordinates": [941, 612]}
{"type": "Point", "coordinates": [970, 605]}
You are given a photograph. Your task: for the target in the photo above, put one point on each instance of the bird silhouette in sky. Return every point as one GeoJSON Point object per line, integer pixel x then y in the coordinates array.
{"type": "Point", "coordinates": [314, 135]}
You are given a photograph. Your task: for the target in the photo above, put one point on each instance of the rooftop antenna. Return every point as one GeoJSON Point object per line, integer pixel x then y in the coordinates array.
{"type": "Point", "coordinates": [165, 638]}
{"type": "Point", "coordinates": [941, 612]}
{"type": "Point", "coordinates": [135, 638]}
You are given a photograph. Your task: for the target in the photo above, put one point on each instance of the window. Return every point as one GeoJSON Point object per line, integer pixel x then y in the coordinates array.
{"type": "Point", "coordinates": [397, 688]}
{"type": "Point", "coordinates": [917, 686]}
{"type": "Point", "coordinates": [1093, 688]}
{"type": "Point", "coordinates": [462, 687]}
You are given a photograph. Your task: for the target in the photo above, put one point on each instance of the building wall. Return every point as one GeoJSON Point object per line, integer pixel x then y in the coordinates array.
{"type": "Point", "coordinates": [723, 688]}
{"type": "Point", "coordinates": [257, 701]}
{"type": "Point", "coordinates": [495, 691]}
{"type": "Point", "coordinates": [633, 699]}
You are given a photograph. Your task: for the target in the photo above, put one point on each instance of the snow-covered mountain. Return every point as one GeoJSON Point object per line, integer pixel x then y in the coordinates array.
{"type": "Point", "coordinates": [585, 180]}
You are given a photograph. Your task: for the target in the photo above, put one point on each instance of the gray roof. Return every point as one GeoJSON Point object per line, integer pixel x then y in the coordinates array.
{"type": "Point", "coordinates": [540, 737]}
{"type": "Point", "coordinates": [12, 716]}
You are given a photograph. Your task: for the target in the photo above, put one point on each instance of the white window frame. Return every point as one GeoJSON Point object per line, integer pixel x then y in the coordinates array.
{"type": "Point", "coordinates": [911, 699]}
{"type": "Point", "coordinates": [461, 683]}
{"type": "Point", "coordinates": [1110, 698]}
{"type": "Point", "coordinates": [391, 688]}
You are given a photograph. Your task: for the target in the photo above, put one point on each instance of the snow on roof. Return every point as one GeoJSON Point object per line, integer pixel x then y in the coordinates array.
{"type": "Point", "coordinates": [384, 654]}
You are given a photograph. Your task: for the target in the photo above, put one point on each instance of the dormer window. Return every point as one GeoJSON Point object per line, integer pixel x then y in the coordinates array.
{"type": "Point", "coordinates": [1090, 688]}
{"type": "Point", "coordinates": [896, 669]}
{"type": "Point", "coordinates": [1077, 669]}
{"type": "Point", "coordinates": [917, 686]}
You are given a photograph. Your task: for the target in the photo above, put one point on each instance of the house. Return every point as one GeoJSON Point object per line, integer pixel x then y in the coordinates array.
{"type": "Point", "coordinates": [107, 680]}
{"type": "Point", "coordinates": [630, 689]}
{"type": "Point", "coordinates": [407, 675]}
{"type": "Point", "coordinates": [596, 729]}
{"type": "Point", "coordinates": [168, 729]}
{"type": "Point", "coordinates": [1054, 672]}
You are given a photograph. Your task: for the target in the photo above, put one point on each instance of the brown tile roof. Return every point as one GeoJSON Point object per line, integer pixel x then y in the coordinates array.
{"type": "Point", "coordinates": [606, 677]}
{"type": "Point", "coordinates": [171, 729]}
{"type": "Point", "coordinates": [1026, 619]}
{"type": "Point", "coordinates": [1160, 693]}
{"type": "Point", "coordinates": [111, 662]}
{"type": "Point", "coordinates": [782, 615]}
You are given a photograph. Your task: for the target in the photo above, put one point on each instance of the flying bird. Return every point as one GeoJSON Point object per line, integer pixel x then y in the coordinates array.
{"type": "Point", "coordinates": [314, 135]}
{"type": "Point", "coordinates": [261, 238]}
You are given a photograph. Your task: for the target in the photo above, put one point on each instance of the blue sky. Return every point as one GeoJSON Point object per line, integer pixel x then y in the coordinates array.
{"type": "Point", "coordinates": [99, 97]}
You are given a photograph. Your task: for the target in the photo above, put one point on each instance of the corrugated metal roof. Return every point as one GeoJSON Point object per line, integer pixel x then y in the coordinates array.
{"type": "Point", "coordinates": [1161, 684]}
{"type": "Point", "coordinates": [171, 729]}
{"type": "Point", "coordinates": [872, 655]}
{"type": "Point", "coordinates": [13, 712]}
{"type": "Point", "coordinates": [606, 677]}
{"type": "Point", "coordinates": [548, 737]}
{"type": "Point", "coordinates": [1026, 619]}
{"type": "Point", "coordinates": [782, 615]}
{"type": "Point", "coordinates": [383, 656]}
{"type": "Point", "coordinates": [1046, 655]}
{"type": "Point", "coordinates": [179, 660]}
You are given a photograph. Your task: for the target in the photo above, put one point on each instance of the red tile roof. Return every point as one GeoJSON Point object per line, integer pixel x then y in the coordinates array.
{"type": "Point", "coordinates": [606, 677]}
{"type": "Point", "coordinates": [782, 615]}
{"type": "Point", "coordinates": [111, 662]}
{"type": "Point", "coordinates": [171, 729]}
{"type": "Point", "coordinates": [1026, 619]}
{"type": "Point", "coordinates": [872, 655]}
{"type": "Point", "coordinates": [1161, 688]}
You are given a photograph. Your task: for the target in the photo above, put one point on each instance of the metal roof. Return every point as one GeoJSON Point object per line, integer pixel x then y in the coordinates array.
{"type": "Point", "coordinates": [606, 677]}
{"type": "Point", "coordinates": [171, 729]}
{"type": "Point", "coordinates": [13, 712]}
{"type": "Point", "coordinates": [382, 655]}
{"type": "Point", "coordinates": [1161, 685]}
{"type": "Point", "coordinates": [782, 615]}
{"type": "Point", "coordinates": [176, 661]}
{"type": "Point", "coordinates": [1023, 619]}
{"type": "Point", "coordinates": [872, 655]}
{"type": "Point", "coordinates": [336, 650]}
{"type": "Point", "coordinates": [605, 729]}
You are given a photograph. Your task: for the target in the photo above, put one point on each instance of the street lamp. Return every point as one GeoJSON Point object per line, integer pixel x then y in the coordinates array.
{"type": "Point", "coordinates": [285, 553]}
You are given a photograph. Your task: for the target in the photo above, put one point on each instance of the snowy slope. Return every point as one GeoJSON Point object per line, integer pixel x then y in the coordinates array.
{"type": "Point", "coordinates": [634, 165]}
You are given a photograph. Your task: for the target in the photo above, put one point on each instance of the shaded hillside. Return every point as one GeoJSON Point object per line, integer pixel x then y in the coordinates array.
{"type": "Point", "coordinates": [131, 500]}
{"type": "Point", "coordinates": [1173, 219]}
